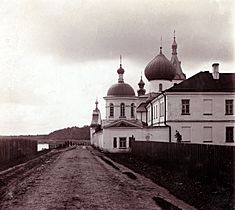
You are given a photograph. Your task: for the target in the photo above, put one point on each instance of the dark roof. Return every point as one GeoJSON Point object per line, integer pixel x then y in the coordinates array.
{"type": "Point", "coordinates": [151, 97]}
{"type": "Point", "coordinates": [204, 82]}
{"type": "Point", "coordinates": [141, 107]}
{"type": "Point", "coordinates": [121, 89]}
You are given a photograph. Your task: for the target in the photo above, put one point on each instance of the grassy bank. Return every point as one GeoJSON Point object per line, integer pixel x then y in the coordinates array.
{"type": "Point", "coordinates": [204, 194]}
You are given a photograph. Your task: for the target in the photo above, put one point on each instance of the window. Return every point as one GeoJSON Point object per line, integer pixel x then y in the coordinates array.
{"type": "Point", "coordinates": [229, 107]}
{"type": "Point", "coordinates": [162, 109]}
{"type": "Point", "coordinates": [122, 142]}
{"type": "Point", "coordinates": [114, 142]}
{"type": "Point", "coordinates": [149, 115]}
{"type": "Point", "coordinates": [207, 134]}
{"type": "Point", "coordinates": [111, 110]}
{"type": "Point", "coordinates": [186, 133]}
{"type": "Point", "coordinates": [229, 134]}
{"type": "Point", "coordinates": [130, 140]}
{"type": "Point", "coordinates": [122, 110]}
{"type": "Point", "coordinates": [132, 110]}
{"type": "Point", "coordinates": [185, 106]}
{"type": "Point", "coordinates": [160, 87]}
{"type": "Point", "coordinates": [207, 106]}
{"type": "Point", "coordinates": [156, 112]}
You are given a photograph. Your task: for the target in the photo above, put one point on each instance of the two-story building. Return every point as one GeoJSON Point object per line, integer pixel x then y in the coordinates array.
{"type": "Point", "coordinates": [200, 108]}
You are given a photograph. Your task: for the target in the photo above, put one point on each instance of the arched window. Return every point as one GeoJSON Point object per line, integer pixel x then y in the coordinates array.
{"type": "Point", "coordinates": [114, 142]}
{"type": "Point", "coordinates": [132, 110]}
{"type": "Point", "coordinates": [111, 110]}
{"type": "Point", "coordinates": [122, 110]}
{"type": "Point", "coordinates": [160, 87]}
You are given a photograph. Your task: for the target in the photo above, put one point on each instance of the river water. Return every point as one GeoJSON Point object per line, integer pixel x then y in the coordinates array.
{"type": "Point", "coordinates": [43, 146]}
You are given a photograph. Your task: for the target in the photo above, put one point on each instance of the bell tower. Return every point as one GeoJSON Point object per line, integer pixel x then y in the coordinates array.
{"type": "Point", "coordinates": [176, 63]}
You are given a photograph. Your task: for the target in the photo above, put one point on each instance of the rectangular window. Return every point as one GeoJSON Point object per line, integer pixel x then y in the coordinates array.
{"type": "Point", "coordinates": [156, 111]}
{"type": "Point", "coordinates": [122, 142]}
{"type": "Point", "coordinates": [185, 106]}
{"type": "Point", "coordinates": [132, 110]}
{"type": "Point", "coordinates": [186, 133]}
{"type": "Point", "coordinates": [130, 140]}
{"type": "Point", "coordinates": [207, 134]}
{"type": "Point", "coordinates": [229, 107]}
{"type": "Point", "coordinates": [149, 115]}
{"type": "Point", "coordinates": [229, 134]}
{"type": "Point", "coordinates": [114, 142]}
{"type": "Point", "coordinates": [207, 106]}
{"type": "Point", "coordinates": [162, 109]}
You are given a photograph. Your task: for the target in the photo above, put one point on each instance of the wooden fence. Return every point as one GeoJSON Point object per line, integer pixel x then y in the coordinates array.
{"type": "Point", "coordinates": [195, 159]}
{"type": "Point", "coordinates": [11, 149]}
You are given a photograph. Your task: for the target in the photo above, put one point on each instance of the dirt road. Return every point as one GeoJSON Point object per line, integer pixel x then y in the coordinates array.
{"type": "Point", "coordinates": [81, 179]}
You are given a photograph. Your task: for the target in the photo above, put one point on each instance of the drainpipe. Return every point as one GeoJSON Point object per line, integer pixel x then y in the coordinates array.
{"type": "Point", "coordinates": [165, 117]}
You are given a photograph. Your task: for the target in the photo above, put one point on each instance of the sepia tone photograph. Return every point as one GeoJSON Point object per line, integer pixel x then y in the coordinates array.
{"type": "Point", "coordinates": [118, 105]}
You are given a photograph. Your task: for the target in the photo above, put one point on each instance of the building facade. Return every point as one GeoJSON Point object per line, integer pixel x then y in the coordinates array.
{"type": "Point", "coordinates": [199, 108]}
{"type": "Point", "coordinates": [201, 112]}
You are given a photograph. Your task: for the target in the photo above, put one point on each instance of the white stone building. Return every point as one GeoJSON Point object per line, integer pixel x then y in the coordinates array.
{"type": "Point", "coordinates": [200, 108]}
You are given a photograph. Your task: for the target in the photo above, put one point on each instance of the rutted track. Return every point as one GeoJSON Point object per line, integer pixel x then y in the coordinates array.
{"type": "Point", "coordinates": [79, 179]}
{"type": "Point", "coordinates": [12, 177]}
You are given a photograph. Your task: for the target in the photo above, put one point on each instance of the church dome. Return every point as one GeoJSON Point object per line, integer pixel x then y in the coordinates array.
{"type": "Point", "coordinates": [121, 89]}
{"type": "Point", "coordinates": [141, 83]}
{"type": "Point", "coordinates": [160, 68]}
{"type": "Point", "coordinates": [120, 70]}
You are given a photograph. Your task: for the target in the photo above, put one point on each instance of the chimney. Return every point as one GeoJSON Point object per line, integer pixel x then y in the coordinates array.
{"type": "Point", "coordinates": [215, 70]}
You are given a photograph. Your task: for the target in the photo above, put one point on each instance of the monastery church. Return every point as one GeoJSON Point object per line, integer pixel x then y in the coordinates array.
{"type": "Point", "coordinates": [199, 108]}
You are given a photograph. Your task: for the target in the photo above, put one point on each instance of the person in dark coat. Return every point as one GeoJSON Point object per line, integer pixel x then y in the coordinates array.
{"type": "Point", "coordinates": [178, 136]}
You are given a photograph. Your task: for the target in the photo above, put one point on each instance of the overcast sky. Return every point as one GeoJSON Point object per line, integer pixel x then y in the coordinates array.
{"type": "Point", "coordinates": [57, 56]}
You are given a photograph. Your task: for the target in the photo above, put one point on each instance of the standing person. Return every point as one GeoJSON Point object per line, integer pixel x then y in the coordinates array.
{"type": "Point", "coordinates": [178, 136]}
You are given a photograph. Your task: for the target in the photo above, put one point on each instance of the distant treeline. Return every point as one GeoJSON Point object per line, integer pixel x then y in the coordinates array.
{"type": "Point", "coordinates": [82, 133]}
{"type": "Point", "coordinates": [74, 133]}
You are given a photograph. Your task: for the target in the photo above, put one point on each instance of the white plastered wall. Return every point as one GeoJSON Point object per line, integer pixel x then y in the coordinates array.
{"type": "Point", "coordinates": [198, 119]}
{"type": "Point", "coordinates": [116, 101]}
{"type": "Point", "coordinates": [160, 134]}
{"type": "Point", "coordinates": [154, 85]}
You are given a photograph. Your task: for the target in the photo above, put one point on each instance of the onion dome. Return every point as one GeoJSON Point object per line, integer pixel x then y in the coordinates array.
{"type": "Point", "coordinates": [141, 85]}
{"type": "Point", "coordinates": [160, 68]}
{"type": "Point", "coordinates": [120, 70]}
{"type": "Point", "coordinates": [174, 44]}
{"type": "Point", "coordinates": [121, 88]}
